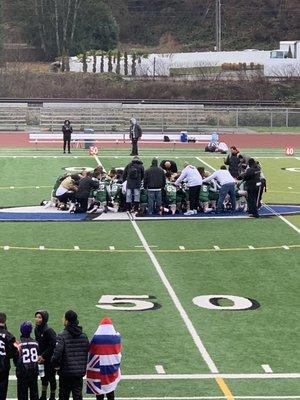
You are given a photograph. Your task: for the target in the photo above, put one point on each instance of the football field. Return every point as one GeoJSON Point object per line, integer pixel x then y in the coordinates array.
{"type": "Point", "coordinates": [207, 309]}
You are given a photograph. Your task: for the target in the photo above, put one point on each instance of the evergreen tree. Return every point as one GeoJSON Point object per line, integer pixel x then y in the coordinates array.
{"type": "Point", "coordinates": [125, 63]}
{"type": "Point", "coordinates": [133, 66]}
{"type": "Point", "coordinates": [102, 62]}
{"type": "Point", "coordinates": [110, 67]}
{"type": "Point", "coordinates": [118, 67]}
{"type": "Point", "coordinates": [1, 34]}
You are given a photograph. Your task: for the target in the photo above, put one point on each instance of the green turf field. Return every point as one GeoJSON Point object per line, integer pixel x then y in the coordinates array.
{"type": "Point", "coordinates": [170, 264]}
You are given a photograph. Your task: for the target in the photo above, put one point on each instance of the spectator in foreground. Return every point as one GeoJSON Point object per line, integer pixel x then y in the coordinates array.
{"type": "Point", "coordinates": [46, 338]}
{"type": "Point", "coordinates": [227, 183]}
{"type": "Point", "coordinates": [103, 376]}
{"type": "Point", "coordinates": [70, 357]}
{"type": "Point", "coordinates": [27, 364]}
{"type": "Point", "coordinates": [154, 182]}
{"type": "Point", "coordinates": [7, 352]}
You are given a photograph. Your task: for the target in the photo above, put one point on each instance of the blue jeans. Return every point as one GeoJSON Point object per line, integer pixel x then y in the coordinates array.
{"type": "Point", "coordinates": [154, 200]}
{"type": "Point", "coordinates": [228, 188]}
{"type": "Point", "coordinates": [135, 193]}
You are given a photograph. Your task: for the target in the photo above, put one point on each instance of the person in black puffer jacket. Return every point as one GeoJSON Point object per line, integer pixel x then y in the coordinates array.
{"type": "Point", "coordinates": [70, 357]}
{"type": "Point", "coordinates": [46, 338]}
{"type": "Point", "coordinates": [133, 175]}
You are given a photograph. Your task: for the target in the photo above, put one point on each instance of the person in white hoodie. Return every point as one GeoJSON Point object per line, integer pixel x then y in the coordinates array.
{"type": "Point", "coordinates": [193, 179]}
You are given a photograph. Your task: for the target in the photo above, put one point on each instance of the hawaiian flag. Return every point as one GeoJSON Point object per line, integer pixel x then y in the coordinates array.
{"type": "Point", "coordinates": [104, 358]}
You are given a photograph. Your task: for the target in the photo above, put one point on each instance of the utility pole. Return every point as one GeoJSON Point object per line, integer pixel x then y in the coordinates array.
{"type": "Point", "coordinates": [218, 25]}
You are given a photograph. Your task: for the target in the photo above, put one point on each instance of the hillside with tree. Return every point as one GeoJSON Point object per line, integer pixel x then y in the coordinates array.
{"type": "Point", "coordinates": [73, 26]}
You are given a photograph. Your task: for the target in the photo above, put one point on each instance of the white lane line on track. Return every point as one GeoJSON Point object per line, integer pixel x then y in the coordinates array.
{"type": "Point", "coordinates": [150, 377]}
{"type": "Point", "coordinates": [267, 368]}
{"type": "Point", "coordinates": [282, 218]}
{"type": "Point", "coordinates": [196, 338]}
{"type": "Point", "coordinates": [205, 163]}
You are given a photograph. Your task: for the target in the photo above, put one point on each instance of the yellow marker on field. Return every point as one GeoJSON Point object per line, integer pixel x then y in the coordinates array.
{"type": "Point", "coordinates": [225, 389]}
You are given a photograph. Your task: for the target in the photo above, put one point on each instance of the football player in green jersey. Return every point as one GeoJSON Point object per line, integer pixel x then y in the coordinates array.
{"type": "Point", "coordinates": [170, 194]}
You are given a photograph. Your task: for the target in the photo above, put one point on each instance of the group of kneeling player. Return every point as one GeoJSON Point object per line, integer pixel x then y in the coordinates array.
{"type": "Point", "coordinates": [97, 191]}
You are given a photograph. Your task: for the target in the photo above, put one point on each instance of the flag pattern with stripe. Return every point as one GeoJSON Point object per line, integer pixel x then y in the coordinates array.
{"type": "Point", "coordinates": [104, 358]}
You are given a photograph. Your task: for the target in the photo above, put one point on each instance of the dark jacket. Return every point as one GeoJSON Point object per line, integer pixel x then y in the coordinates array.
{"type": "Point", "coordinates": [173, 167]}
{"type": "Point", "coordinates": [155, 177]}
{"type": "Point", "coordinates": [135, 132]}
{"type": "Point", "coordinates": [252, 177]}
{"type": "Point", "coordinates": [67, 130]}
{"type": "Point", "coordinates": [7, 349]}
{"type": "Point", "coordinates": [85, 186]}
{"type": "Point", "coordinates": [134, 174]}
{"type": "Point", "coordinates": [71, 350]}
{"type": "Point", "coordinates": [233, 162]}
{"type": "Point", "coordinates": [46, 337]}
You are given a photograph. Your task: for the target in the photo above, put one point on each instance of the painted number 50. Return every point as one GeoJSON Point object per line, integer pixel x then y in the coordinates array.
{"type": "Point", "coordinates": [133, 303]}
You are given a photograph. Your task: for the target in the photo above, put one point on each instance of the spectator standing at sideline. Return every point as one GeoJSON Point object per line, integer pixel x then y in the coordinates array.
{"type": "Point", "coordinates": [233, 161]}
{"type": "Point", "coordinates": [7, 351]}
{"type": "Point", "coordinates": [135, 133]}
{"type": "Point", "coordinates": [104, 375]}
{"type": "Point", "coordinates": [227, 183]}
{"type": "Point", "coordinates": [133, 175]}
{"type": "Point", "coordinates": [70, 357]}
{"type": "Point", "coordinates": [67, 132]}
{"type": "Point", "coordinates": [191, 175]}
{"type": "Point", "coordinates": [27, 364]}
{"type": "Point", "coordinates": [46, 338]}
{"type": "Point", "coordinates": [154, 182]}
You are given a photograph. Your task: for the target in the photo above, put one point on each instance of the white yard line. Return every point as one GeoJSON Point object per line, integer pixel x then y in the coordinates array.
{"type": "Point", "coordinates": [150, 377]}
{"type": "Point", "coordinates": [205, 163]}
{"type": "Point", "coordinates": [282, 218]}
{"type": "Point", "coordinates": [196, 338]}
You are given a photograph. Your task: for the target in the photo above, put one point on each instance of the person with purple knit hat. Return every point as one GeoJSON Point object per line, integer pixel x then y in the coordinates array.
{"type": "Point", "coordinates": [27, 364]}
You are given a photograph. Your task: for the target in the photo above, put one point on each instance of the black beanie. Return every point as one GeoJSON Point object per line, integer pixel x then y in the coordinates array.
{"type": "Point", "coordinates": [71, 317]}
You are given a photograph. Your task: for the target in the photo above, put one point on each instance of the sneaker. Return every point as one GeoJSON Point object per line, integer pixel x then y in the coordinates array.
{"type": "Point", "coordinates": [190, 212]}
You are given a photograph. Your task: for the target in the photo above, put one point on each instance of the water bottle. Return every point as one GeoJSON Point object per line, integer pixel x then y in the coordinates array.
{"type": "Point", "coordinates": [41, 370]}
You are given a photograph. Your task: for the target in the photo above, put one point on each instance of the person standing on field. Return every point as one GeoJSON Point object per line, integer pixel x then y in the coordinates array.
{"type": "Point", "coordinates": [27, 364]}
{"type": "Point", "coordinates": [46, 338]}
{"type": "Point", "coordinates": [67, 132]}
{"type": "Point", "coordinates": [70, 357]}
{"type": "Point", "coordinates": [7, 352]}
{"type": "Point", "coordinates": [135, 133]}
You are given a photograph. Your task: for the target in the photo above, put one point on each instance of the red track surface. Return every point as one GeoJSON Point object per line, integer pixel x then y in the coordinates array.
{"type": "Point", "coordinates": [20, 139]}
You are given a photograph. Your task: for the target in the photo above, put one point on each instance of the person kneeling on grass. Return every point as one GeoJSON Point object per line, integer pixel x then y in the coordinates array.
{"type": "Point", "coordinates": [104, 359]}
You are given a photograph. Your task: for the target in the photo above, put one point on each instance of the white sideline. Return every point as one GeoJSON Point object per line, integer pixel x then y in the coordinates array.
{"type": "Point", "coordinates": [206, 357]}
{"type": "Point", "coordinates": [205, 163]}
{"type": "Point", "coordinates": [164, 377]}
{"type": "Point", "coordinates": [282, 218]}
